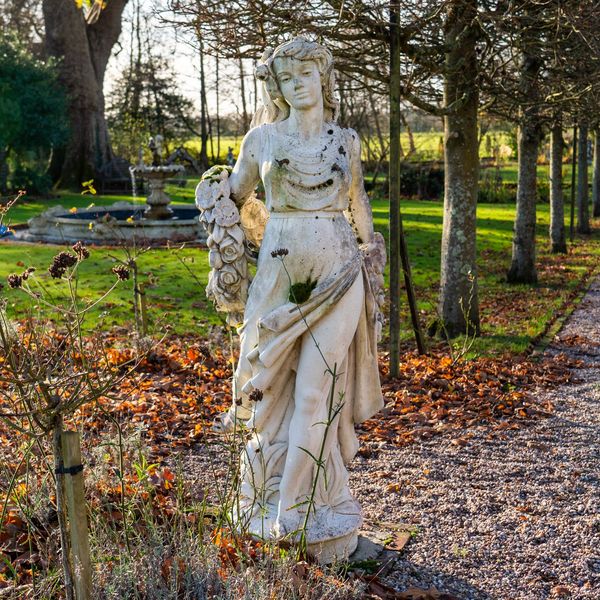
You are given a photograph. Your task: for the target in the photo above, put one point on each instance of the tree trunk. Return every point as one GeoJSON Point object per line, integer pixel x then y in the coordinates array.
{"type": "Point", "coordinates": [394, 192]}
{"type": "Point", "coordinates": [217, 109]}
{"type": "Point", "coordinates": [398, 254]}
{"type": "Point", "coordinates": [342, 97]}
{"type": "Point", "coordinates": [573, 186]}
{"type": "Point", "coordinates": [412, 149]}
{"type": "Point", "coordinates": [458, 302]}
{"type": "Point", "coordinates": [255, 85]}
{"type": "Point", "coordinates": [557, 206]}
{"type": "Point", "coordinates": [522, 269]}
{"type": "Point", "coordinates": [83, 51]}
{"type": "Point", "coordinates": [583, 211]}
{"type": "Point", "coordinates": [596, 174]}
{"type": "Point", "coordinates": [3, 170]}
{"type": "Point", "coordinates": [203, 114]}
{"type": "Point", "coordinates": [245, 120]}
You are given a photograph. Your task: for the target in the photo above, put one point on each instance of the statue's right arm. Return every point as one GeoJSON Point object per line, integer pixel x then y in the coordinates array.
{"type": "Point", "coordinates": [245, 175]}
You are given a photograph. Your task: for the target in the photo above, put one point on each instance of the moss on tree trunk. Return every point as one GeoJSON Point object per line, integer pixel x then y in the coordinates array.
{"type": "Point", "coordinates": [458, 302]}
{"type": "Point", "coordinates": [557, 206]}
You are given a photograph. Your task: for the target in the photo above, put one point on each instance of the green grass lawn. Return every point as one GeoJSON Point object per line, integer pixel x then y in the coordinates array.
{"type": "Point", "coordinates": [509, 173]}
{"type": "Point", "coordinates": [176, 297]}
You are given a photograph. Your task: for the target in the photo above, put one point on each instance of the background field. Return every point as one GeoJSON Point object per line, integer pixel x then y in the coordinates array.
{"type": "Point", "coordinates": [428, 144]}
{"type": "Point", "coordinates": [175, 277]}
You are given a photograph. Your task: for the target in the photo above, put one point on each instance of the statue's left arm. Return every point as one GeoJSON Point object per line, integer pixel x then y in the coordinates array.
{"type": "Point", "coordinates": [372, 245]}
{"type": "Point", "coordinates": [359, 211]}
{"type": "Point", "coordinates": [245, 174]}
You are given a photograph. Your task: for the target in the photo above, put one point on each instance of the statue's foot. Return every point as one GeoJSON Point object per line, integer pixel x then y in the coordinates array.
{"type": "Point", "coordinates": [288, 523]}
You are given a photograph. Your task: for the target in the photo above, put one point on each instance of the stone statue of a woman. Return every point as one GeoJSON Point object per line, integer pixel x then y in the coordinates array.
{"type": "Point", "coordinates": [307, 370]}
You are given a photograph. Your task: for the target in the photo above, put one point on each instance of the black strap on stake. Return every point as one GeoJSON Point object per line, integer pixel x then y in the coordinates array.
{"type": "Point", "coordinates": [69, 470]}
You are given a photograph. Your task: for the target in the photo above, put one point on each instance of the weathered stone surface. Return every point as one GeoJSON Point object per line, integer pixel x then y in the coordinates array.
{"type": "Point", "coordinates": [111, 224]}
{"type": "Point", "coordinates": [308, 358]}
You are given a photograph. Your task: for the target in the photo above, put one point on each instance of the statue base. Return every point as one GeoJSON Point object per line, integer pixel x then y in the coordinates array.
{"type": "Point", "coordinates": [334, 550]}
{"type": "Point", "coordinates": [331, 534]}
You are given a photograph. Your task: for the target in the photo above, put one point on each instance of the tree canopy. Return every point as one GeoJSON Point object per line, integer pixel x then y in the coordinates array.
{"type": "Point", "coordinates": [32, 110]}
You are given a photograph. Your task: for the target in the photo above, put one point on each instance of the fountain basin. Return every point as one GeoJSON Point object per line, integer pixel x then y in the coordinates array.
{"type": "Point", "coordinates": [121, 222]}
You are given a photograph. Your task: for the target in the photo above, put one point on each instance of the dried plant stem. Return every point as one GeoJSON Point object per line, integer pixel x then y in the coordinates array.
{"type": "Point", "coordinates": [332, 413]}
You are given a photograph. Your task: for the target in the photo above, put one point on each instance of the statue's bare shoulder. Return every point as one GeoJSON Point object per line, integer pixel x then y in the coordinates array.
{"type": "Point", "coordinates": [252, 143]}
{"type": "Point", "coordinates": [245, 174]}
{"type": "Point", "coordinates": [352, 140]}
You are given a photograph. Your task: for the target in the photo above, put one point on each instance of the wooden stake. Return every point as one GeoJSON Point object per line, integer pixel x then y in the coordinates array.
{"type": "Point", "coordinates": [394, 192]}
{"type": "Point", "coordinates": [60, 507]}
{"type": "Point", "coordinates": [398, 254]}
{"type": "Point", "coordinates": [76, 509]}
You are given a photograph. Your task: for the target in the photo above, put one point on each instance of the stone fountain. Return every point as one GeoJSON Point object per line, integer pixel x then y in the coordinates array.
{"type": "Point", "coordinates": [156, 222]}
{"type": "Point", "coordinates": [157, 176]}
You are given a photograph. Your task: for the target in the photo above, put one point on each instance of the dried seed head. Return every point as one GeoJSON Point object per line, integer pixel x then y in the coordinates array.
{"type": "Point", "coordinates": [81, 251]}
{"type": "Point", "coordinates": [27, 272]}
{"type": "Point", "coordinates": [14, 281]}
{"type": "Point", "coordinates": [256, 395]}
{"type": "Point", "coordinates": [280, 252]}
{"type": "Point", "coordinates": [60, 263]}
{"type": "Point", "coordinates": [122, 272]}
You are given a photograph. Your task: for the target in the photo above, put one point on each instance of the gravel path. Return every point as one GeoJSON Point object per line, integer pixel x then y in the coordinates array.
{"type": "Point", "coordinates": [513, 517]}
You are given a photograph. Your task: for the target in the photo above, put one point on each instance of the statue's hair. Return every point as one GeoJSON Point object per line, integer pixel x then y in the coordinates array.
{"type": "Point", "coordinates": [275, 108]}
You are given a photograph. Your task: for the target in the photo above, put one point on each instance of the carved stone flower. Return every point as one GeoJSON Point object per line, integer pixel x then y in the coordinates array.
{"type": "Point", "coordinates": [226, 213]}
{"type": "Point", "coordinates": [229, 280]}
{"type": "Point", "coordinates": [223, 187]}
{"type": "Point", "coordinates": [208, 191]}
{"type": "Point", "coordinates": [207, 194]}
{"type": "Point", "coordinates": [230, 250]}
{"type": "Point", "coordinates": [207, 217]}
{"type": "Point", "coordinates": [214, 259]}
{"type": "Point", "coordinates": [262, 72]}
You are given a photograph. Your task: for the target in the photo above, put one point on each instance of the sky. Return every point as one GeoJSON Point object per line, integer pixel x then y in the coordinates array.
{"type": "Point", "coordinates": [172, 44]}
{"type": "Point", "coordinates": [175, 44]}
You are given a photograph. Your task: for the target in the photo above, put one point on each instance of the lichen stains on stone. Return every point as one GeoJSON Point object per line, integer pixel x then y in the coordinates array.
{"type": "Point", "coordinates": [300, 292]}
{"type": "Point", "coordinates": [335, 167]}
{"type": "Point", "coordinates": [323, 185]}
{"type": "Point", "coordinates": [283, 161]}
{"type": "Point", "coordinates": [342, 150]}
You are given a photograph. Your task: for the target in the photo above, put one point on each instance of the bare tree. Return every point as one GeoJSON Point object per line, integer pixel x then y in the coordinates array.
{"type": "Point", "coordinates": [583, 213]}
{"type": "Point", "coordinates": [596, 174]}
{"type": "Point", "coordinates": [458, 303]}
{"type": "Point", "coordinates": [557, 202]}
{"type": "Point", "coordinates": [82, 43]}
{"type": "Point", "coordinates": [523, 267]}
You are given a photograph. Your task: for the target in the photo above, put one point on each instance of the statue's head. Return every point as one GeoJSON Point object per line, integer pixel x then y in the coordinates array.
{"type": "Point", "coordinates": [275, 106]}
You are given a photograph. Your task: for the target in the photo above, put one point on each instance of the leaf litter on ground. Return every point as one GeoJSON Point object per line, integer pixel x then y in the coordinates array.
{"type": "Point", "coordinates": [183, 383]}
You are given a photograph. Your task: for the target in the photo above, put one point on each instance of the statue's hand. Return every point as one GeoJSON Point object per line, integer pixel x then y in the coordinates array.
{"type": "Point", "coordinates": [374, 258]}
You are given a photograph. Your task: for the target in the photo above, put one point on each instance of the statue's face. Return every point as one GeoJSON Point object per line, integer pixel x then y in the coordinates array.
{"type": "Point", "coordinates": [299, 82]}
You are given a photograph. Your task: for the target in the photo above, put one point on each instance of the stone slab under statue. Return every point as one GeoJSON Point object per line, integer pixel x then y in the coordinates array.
{"type": "Point", "coordinates": [309, 320]}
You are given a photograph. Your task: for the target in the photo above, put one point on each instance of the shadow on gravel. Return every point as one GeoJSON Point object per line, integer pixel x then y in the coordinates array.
{"type": "Point", "coordinates": [395, 578]}
{"type": "Point", "coordinates": [440, 585]}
